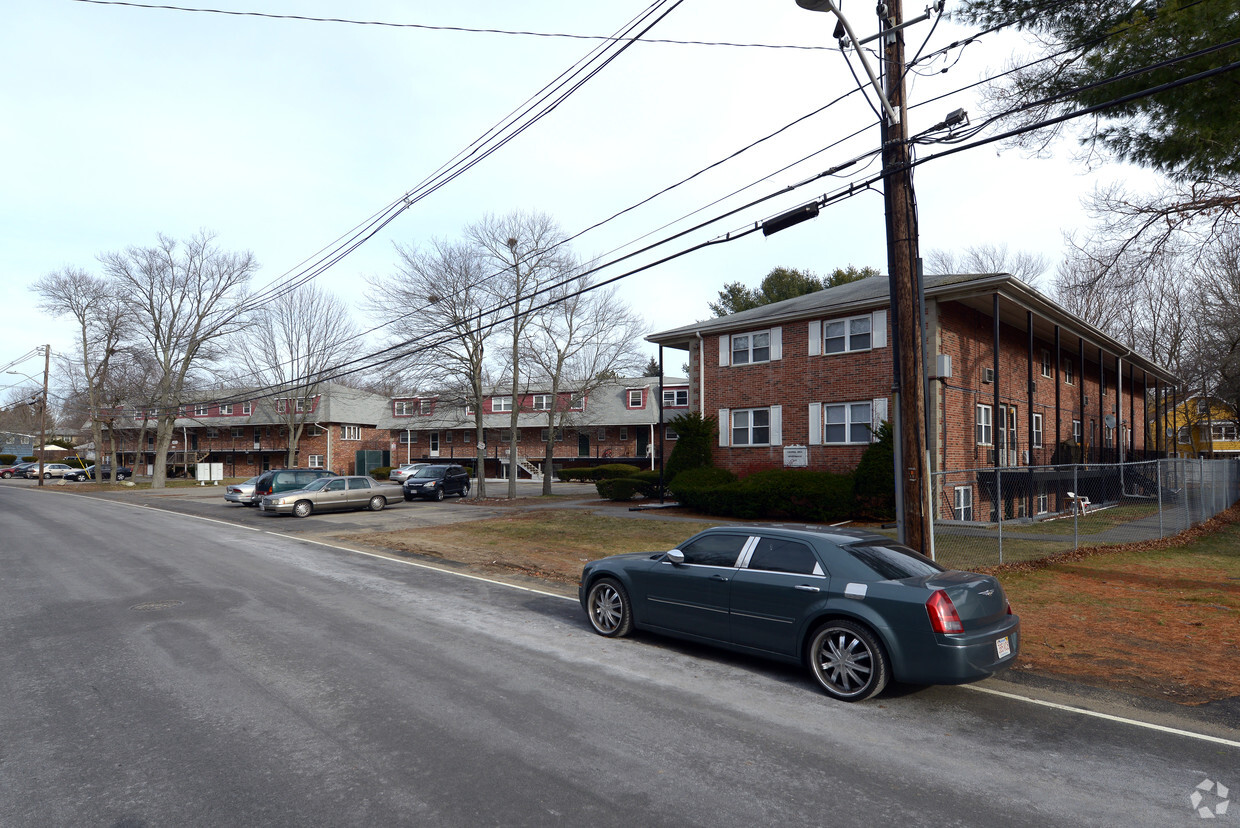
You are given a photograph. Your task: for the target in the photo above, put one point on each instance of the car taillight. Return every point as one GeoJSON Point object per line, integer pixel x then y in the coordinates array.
{"type": "Point", "coordinates": [1009, 607]}
{"type": "Point", "coordinates": [943, 615]}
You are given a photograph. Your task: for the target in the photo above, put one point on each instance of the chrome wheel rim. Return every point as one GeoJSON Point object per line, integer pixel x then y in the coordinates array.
{"type": "Point", "coordinates": [606, 609]}
{"type": "Point", "coordinates": [844, 663]}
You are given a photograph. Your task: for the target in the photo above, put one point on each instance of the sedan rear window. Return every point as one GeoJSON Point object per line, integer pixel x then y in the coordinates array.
{"type": "Point", "coordinates": [779, 555]}
{"type": "Point", "coordinates": [892, 562]}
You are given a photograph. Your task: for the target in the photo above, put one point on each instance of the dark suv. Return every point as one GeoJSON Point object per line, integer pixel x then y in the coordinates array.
{"type": "Point", "coordinates": [434, 482]}
{"type": "Point", "coordinates": [286, 480]}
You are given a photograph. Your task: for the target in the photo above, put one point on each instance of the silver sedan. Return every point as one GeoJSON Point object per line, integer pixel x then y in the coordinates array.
{"type": "Point", "coordinates": [242, 492]}
{"type": "Point", "coordinates": [332, 494]}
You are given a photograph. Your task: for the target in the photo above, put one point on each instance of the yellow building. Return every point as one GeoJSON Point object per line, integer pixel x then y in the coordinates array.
{"type": "Point", "coordinates": [1203, 427]}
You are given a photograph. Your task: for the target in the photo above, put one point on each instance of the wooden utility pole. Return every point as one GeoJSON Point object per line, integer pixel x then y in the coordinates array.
{"type": "Point", "coordinates": [47, 364]}
{"type": "Point", "coordinates": [902, 255]}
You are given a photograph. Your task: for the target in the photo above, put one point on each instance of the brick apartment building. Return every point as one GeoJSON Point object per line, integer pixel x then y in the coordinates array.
{"type": "Point", "coordinates": [1016, 382]}
{"type": "Point", "coordinates": [351, 431]}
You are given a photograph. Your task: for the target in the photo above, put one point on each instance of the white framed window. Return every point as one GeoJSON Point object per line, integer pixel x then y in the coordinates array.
{"type": "Point", "coordinates": [1223, 432]}
{"type": "Point", "coordinates": [408, 436]}
{"type": "Point", "coordinates": [404, 408]}
{"type": "Point", "coordinates": [624, 432]}
{"type": "Point", "coordinates": [751, 347]}
{"type": "Point", "coordinates": [247, 408]}
{"type": "Point", "coordinates": [843, 335]}
{"type": "Point", "coordinates": [1046, 363]}
{"type": "Point", "coordinates": [1076, 432]}
{"type": "Point", "coordinates": [425, 407]}
{"type": "Point", "coordinates": [225, 409]}
{"type": "Point", "coordinates": [751, 427]}
{"type": "Point", "coordinates": [602, 434]}
{"type": "Point", "coordinates": [637, 398]}
{"type": "Point", "coordinates": [1037, 431]}
{"type": "Point", "coordinates": [350, 432]}
{"type": "Point", "coordinates": [501, 404]}
{"type": "Point", "coordinates": [1069, 374]}
{"type": "Point", "coordinates": [577, 403]}
{"type": "Point", "coordinates": [984, 425]}
{"type": "Point", "coordinates": [1041, 500]}
{"type": "Point", "coordinates": [212, 433]}
{"type": "Point", "coordinates": [847, 423]}
{"type": "Point", "coordinates": [541, 402]}
{"type": "Point", "coordinates": [962, 503]}
{"type": "Point", "coordinates": [201, 410]}
{"type": "Point", "coordinates": [299, 404]}
{"type": "Point", "coordinates": [1184, 436]}
{"type": "Point", "coordinates": [676, 398]}
{"type": "Point", "coordinates": [238, 432]}
{"type": "Point", "coordinates": [670, 433]}
{"type": "Point", "coordinates": [447, 436]}
{"type": "Point", "coordinates": [315, 461]}
{"type": "Point", "coordinates": [281, 406]}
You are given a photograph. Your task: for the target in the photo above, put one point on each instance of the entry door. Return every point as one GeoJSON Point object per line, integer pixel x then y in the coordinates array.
{"type": "Point", "coordinates": [434, 440]}
{"type": "Point", "coordinates": [643, 442]}
{"type": "Point", "coordinates": [1007, 436]}
{"type": "Point", "coordinates": [583, 444]}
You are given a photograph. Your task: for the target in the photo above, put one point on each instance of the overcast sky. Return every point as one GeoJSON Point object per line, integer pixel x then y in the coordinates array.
{"type": "Point", "coordinates": [280, 135]}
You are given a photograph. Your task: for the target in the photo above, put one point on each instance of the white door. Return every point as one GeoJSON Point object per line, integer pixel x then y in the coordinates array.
{"type": "Point", "coordinates": [434, 438]}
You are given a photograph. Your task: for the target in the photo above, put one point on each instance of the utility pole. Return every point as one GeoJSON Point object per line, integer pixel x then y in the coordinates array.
{"type": "Point", "coordinates": [902, 256]}
{"type": "Point", "coordinates": [47, 364]}
{"type": "Point", "coordinates": [912, 481]}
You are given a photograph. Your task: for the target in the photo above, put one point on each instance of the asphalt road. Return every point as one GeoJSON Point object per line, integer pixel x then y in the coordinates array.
{"type": "Point", "coordinates": [158, 668]}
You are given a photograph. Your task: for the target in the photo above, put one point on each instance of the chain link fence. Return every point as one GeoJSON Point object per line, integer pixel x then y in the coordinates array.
{"type": "Point", "coordinates": [990, 516]}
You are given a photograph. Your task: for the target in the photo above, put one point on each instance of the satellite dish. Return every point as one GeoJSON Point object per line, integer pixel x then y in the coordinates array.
{"type": "Point", "coordinates": [1109, 420]}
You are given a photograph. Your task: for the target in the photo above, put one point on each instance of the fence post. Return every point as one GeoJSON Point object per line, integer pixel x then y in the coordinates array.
{"type": "Point", "coordinates": [1076, 512]}
{"type": "Point", "coordinates": [1158, 488]}
{"type": "Point", "coordinates": [999, 507]}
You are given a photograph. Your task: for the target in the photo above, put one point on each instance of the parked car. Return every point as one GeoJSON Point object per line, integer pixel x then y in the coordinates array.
{"type": "Point", "coordinates": [328, 494]}
{"type": "Point", "coordinates": [16, 470]}
{"type": "Point", "coordinates": [79, 474]}
{"type": "Point", "coordinates": [435, 482]}
{"type": "Point", "coordinates": [123, 473]}
{"type": "Point", "coordinates": [242, 492]}
{"type": "Point", "coordinates": [50, 470]}
{"type": "Point", "coordinates": [401, 473]}
{"type": "Point", "coordinates": [854, 607]}
{"type": "Point", "coordinates": [286, 480]}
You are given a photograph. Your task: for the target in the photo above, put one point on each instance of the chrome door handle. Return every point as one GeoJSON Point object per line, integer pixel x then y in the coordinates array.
{"type": "Point", "coordinates": [806, 588]}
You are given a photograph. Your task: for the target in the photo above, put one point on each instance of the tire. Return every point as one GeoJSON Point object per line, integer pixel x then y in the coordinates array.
{"type": "Point", "coordinates": [121, 477]}
{"type": "Point", "coordinates": [377, 503]}
{"type": "Point", "coordinates": [303, 508]}
{"type": "Point", "coordinates": [6, 475]}
{"type": "Point", "coordinates": [848, 661]}
{"type": "Point", "coordinates": [438, 493]}
{"type": "Point", "coordinates": [465, 491]}
{"type": "Point", "coordinates": [609, 610]}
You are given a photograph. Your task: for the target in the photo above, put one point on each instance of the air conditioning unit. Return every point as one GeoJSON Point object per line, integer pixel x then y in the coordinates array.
{"type": "Point", "coordinates": [990, 456]}
{"type": "Point", "coordinates": [988, 375]}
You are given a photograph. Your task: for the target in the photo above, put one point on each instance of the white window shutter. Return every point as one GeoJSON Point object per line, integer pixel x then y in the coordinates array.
{"type": "Point", "coordinates": [725, 350]}
{"type": "Point", "coordinates": [777, 344]}
{"type": "Point", "coordinates": [815, 424]}
{"type": "Point", "coordinates": [777, 425]}
{"type": "Point", "coordinates": [725, 426]}
{"type": "Point", "coordinates": [878, 414]}
{"type": "Point", "coordinates": [878, 329]}
{"type": "Point", "coordinates": [815, 337]}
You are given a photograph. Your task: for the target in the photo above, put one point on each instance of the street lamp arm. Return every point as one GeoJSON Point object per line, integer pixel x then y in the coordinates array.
{"type": "Point", "coordinates": [829, 5]}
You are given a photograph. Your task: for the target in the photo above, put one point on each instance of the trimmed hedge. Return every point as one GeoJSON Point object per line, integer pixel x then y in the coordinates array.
{"type": "Point", "coordinates": [783, 494]}
{"type": "Point", "coordinates": [7, 459]}
{"type": "Point", "coordinates": [644, 483]}
{"type": "Point", "coordinates": [381, 473]}
{"type": "Point", "coordinates": [608, 471]}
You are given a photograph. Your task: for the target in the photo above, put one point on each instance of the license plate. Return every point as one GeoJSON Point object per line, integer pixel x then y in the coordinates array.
{"type": "Point", "coordinates": [1003, 648]}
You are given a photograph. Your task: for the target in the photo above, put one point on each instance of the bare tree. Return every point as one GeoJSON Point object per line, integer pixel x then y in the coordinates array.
{"type": "Point", "coordinates": [306, 334]}
{"type": "Point", "coordinates": [526, 251]}
{"type": "Point", "coordinates": [184, 299]}
{"type": "Point", "coordinates": [440, 316]}
{"type": "Point", "coordinates": [581, 341]}
{"type": "Point", "coordinates": [988, 258]}
{"type": "Point", "coordinates": [98, 314]}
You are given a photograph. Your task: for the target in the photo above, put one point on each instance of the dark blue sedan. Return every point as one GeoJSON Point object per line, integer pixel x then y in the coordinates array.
{"type": "Point", "coordinates": [855, 607]}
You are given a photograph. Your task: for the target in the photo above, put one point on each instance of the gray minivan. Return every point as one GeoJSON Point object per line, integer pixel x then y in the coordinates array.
{"type": "Point", "coordinates": [286, 480]}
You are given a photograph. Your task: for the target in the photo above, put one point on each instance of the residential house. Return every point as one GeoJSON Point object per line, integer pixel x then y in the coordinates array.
{"type": "Point", "coordinates": [1015, 382]}
{"type": "Point", "coordinates": [1203, 427]}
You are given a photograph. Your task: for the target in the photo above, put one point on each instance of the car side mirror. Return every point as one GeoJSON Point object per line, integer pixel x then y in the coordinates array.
{"type": "Point", "coordinates": [676, 556]}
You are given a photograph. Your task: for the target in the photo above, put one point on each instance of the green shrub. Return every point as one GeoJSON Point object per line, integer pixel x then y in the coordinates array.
{"type": "Point", "coordinates": [7, 459]}
{"type": "Point", "coordinates": [578, 475]}
{"type": "Point", "coordinates": [644, 483]}
{"type": "Point", "coordinates": [695, 436]}
{"type": "Point", "coordinates": [781, 494]}
{"type": "Point", "coordinates": [381, 473]}
{"type": "Point", "coordinates": [30, 458]}
{"type": "Point", "coordinates": [699, 478]}
{"type": "Point", "coordinates": [612, 470]}
{"type": "Point", "coordinates": [874, 484]}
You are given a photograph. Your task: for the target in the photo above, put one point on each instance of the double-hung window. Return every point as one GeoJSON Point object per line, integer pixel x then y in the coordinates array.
{"type": "Point", "coordinates": [350, 432]}
{"type": "Point", "coordinates": [1037, 431]}
{"type": "Point", "coordinates": [541, 402]}
{"type": "Point", "coordinates": [846, 423]}
{"type": "Point", "coordinates": [751, 427]}
{"type": "Point", "coordinates": [842, 335]}
{"type": "Point", "coordinates": [984, 425]}
{"type": "Point", "coordinates": [676, 398]}
{"type": "Point", "coordinates": [1046, 363]}
{"type": "Point", "coordinates": [201, 410]}
{"type": "Point", "coordinates": [962, 506]}
{"type": "Point", "coordinates": [1069, 374]}
{"type": "Point", "coordinates": [247, 408]}
{"type": "Point", "coordinates": [403, 408]}
{"type": "Point", "coordinates": [751, 347]}
{"type": "Point", "coordinates": [225, 409]}
{"type": "Point", "coordinates": [500, 404]}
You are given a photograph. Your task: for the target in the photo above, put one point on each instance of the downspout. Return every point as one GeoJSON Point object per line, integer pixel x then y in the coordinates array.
{"type": "Point", "coordinates": [701, 375]}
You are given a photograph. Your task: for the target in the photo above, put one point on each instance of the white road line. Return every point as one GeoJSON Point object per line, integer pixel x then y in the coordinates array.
{"type": "Point", "coordinates": [1122, 720]}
